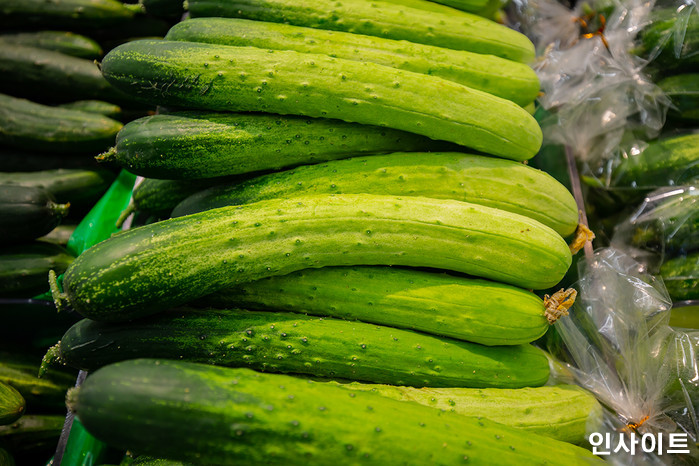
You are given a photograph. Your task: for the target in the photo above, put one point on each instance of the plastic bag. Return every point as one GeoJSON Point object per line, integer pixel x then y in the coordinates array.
{"type": "Point", "coordinates": [618, 345]}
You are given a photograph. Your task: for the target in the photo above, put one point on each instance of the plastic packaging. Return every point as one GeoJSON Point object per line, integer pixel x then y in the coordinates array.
{"type": "Point", "coordinates": [618, 345]}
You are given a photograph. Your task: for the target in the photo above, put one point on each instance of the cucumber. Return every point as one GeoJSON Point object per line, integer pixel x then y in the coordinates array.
{"type": "Point", "coordinates": [168, 9]}
{"type": "Point", "coordinates": [11, 404]}
{"type": "Point", "coordinates": [27, 213]}
{"type": "Point", "coordinates": [45, 394]}
{"type": "Point", "coordinates": [671, 40]}
{"type": "Point", "coordinates": [5, 458]}
{"type": "Point", "coordinates": [95, 106]}
{"type": "Point", "coordinates": [24, 268]}
{"type": "Point", "coordinates": [32, 434]}
{"type": "Point", "coordinates": [30, 126]}
{"type": "Point", "coordinates": [498, 183]}
{"type": "Point", "coordinates": [79, 187]}
{"type": "Point", "coordinates": [681, 276]}
{"type": "Point", "coordinates": [187, 145]}
{"type": "Point", "coordinates": [165, 408]}
{"type": "Point", "coordinates": [563, 412]}
{"type": "Point", "coordinates": [504, 78]}
{"type": "Point", "coordinates": [219, 77]}
{"type": "Point", "coordinates": [480, 311]}
{"type": "Point", "coordinates": [457, 30]}
{"type": "Point", "coordinates": [293, 343]}
{"type": "Point", "coordinates": [69, 14]}
{"type": "Point", "coordinates": [45, 75]}
{"type": "Point", "coordinates": [64, 42]}
{"type": "Point", "coordinates": [151, 268]}
{"type": "Point", "coordinates": [683, 91]}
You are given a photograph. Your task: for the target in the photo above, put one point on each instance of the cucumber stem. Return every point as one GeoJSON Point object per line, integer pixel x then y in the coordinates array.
{"type": "Point", "coordinates": [131, 208]}
{"type": "Point", "coordinates": [582, 236]}
{"type": "Point", "coordinates": [558, 304]}
{"type": "Point", "coordinates": [108, 156]}
{"type": "Point", "coordinates": [60, 209]}
{"type": "Point", "coordinates": [59, 297]}
{"type": "Point", "coordinates": [72, 398]}
{"type": "Point", "coordinates": [51, 358]}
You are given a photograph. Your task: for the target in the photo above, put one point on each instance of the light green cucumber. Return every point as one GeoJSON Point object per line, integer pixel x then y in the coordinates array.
{"type": "Point", "coordinates": [504, 78]}
{"type": "Point", "coordinates": [163, 408]}
{"type": "Point", "coordinates": [151, 268]}
{"type": "Point", "coordinates": [453, 30]}
{"type": "Point", "coordinates": [489, 181]}
{"type": "Point", "coordinates": [220, 77]}
{"type": "Point", "coordinates": [481, 311]}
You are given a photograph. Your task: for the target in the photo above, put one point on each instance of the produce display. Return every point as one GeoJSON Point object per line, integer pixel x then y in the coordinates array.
{"type": "Point", "coordinates": [315, 232]}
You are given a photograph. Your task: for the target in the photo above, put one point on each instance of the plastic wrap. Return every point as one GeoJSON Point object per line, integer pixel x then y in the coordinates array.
{"type": "Point", "coordinates": [618, 344]}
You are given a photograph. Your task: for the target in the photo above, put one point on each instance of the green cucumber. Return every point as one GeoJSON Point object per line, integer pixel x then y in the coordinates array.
{"type": "Point", "coordinates": [671, 40]}
{"type": "Point", "coordinates": [159, 197]}
{"type": "Point", "coordinates": [69, 14]}
{"type": "Point", "coordinates": [64, 42]}
{"type": "Point", "coordinates": [498, 183]}
{"type": "Point", "coordinates": [683, 91]}
{"type": "Point", "coordinates": [681, 276]}
{"type": "Point", "coordinates": [11, 404]}
{"type": "Point", "coordinates": [187, 145]}
{"type": "Point", "coordinates": [168, 9]}
{"type": "Point", "coordinates": [24, 268]}
{"type": "Point", "coordinates": [480, 311]}
{"type": "Point", "coordinates": [45, 75]}
{"type": "Point", "coordinates": [79, 187]}
{"type": "Point", "coordinates": [164, 408]}
{"type": "Point", "coordinates": [220, 77]}
{"type": "Point", "coordinates": [30, 126]}
{"type": "Point", "coordinates": [563, 412]}
{"type": "Point", "coordinates": [95, 106]}
{"type": "Point", "coordinates": [453, 30]}
{"type": "Point", "coordinates": [32, 433]}
{"type": "Point", "coordinates": [5, 458]}
{"type": "Point", "coordinates": [293, 343]}
{"type": "Point", "coordinates": [27, 213]}
{"type": "Point", "coordinates": [47, 393]}
{"type": "Point", "coordinates": [147, 269]}
{"type": "Point", "coordinates": [510, 80]}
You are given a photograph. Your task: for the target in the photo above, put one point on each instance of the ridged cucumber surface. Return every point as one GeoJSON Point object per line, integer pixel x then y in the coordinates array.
{"type": "Point", "coordinates": [504, 78]}
{"type": "Point", "coordinates": [458, 30]}
{"type": "Point", "coordinates": [11, 404]}
{"type": "Point", "coordinates": [27, 213]}
{"type": "Point", "coordinates": [30, 126]}
{"type": "Point", "coordinates": [481, 311]}
{"type": "Point", "coordinates": [187, 145]}
{"type": "Point", "coordinates": [220, 77]}
{"type": "Point", "coordinates": [293, 343]}
{"type": "Point", "coordinates": [24, 268]}
{"type": "Point", "coordinates": [681, 276]}
{"type": "Point", "coordinates": [151, 268]}
{"type": "Point", "coordinates": [68, 43]}
{"type": "Point", "coordinates": [70, 14]}
{"type": "Point", "coordinates": [563, 412]}
{"type": "Point", "coordinates": [155, 406]}
{"type": "Point", "coordinates": [502, 184]}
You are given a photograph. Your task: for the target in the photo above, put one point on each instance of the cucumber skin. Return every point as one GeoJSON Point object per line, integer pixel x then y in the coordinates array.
{"type": "Point", "coordinates": [95, 106]}
{"type": "Point", "coordinates": [275, 419]}
{"type": "Point", "coordinates": [479, 311]}
{"type": "Point", "coordinates": [30, 126]}
{"type": "Point", "coordinates": [683, 90]}
{"type": "Point", "coordinates": [502, 184]}
{"type": "Point", "coordinates": [681, 276]}
{"type": "Point", "coordinates": [159, 197]}
{"type": "Point", "coordinates": [70, 14]}
{"type": "Point", "coordinates": [504, 78]}
{"type": "Point", "coordinates": [187, 145]}
{"type": "Point", "coordinates": [12, 404]}
{"type": "Point", "coordinates": [76, 186]}
{"type": "Point", "coordinates": [67, 43]}
{"type": "Point", "coordinates": [218, 77]}
{"type": "Point", "coordinates": [31, 433]}
{"type": "Point", "coordinates": [47, 393]}
{"type": "Point", "coordinates": [151, 268]}
{"type": "Point", "coordinates": [24, 268]}
{"type": "Point", "coordinates": [26, 213]}
{"type": "Point", "coordinates": [460, 31]}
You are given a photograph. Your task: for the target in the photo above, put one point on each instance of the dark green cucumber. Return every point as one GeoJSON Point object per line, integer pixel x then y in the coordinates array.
{"type": "Point", "coordinates": [64, 42]}
{"type": "Point", "coordinates": [672, 40]}
{"type": "Point", "coordinates": [186, 145]}
{"type": "Point", "coordinates": [31, 126]}
{"type": "Point", "coordinates": [69, 14]}
{"type": "Point", "coordinates": [504, 78]}
{"type": "Point", "coordinates": [563, 412]}
{"type": "Point", "coordinates": [47, 393]}
{"type": "Point", "coordinates": [79, 187]}
{"type": "Point", "coordinates": [45, 75]}
{"type": "Point", "coordinates": [457, 30]}
{"type": "Point", "coordinates": [27, 213]}
{"type": "Point", "coordinates": [220, 77]}
{"type": "Point", "coordinates": [12, 404]}
{"type": "Point", "coordinates": [164, 408]}
{"type": "Point", "coordinates": [95, 106]}
{"type": "Point", "coordinates": [31, 433]}
{"type": "Point", "coordinates": [293, 343]}
{"type": "Point", "coordinates": [481, 311]}
{"type": "Point", "coordinates": [683, 90]}
{"type": "Point", "coordinates": [147, 269]}
{"type": "Point", "coordinates": [24, 268]}
{"type": "Point", "coordinates": [489, 181]}
{"type": "Point", "coordinates": [6, 458]}
{"type": "Point", "coordinates": [681, 276]}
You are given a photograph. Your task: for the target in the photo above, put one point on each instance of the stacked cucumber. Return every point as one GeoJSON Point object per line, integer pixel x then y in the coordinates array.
{"type": "Point", "coordinates": [300, 162]}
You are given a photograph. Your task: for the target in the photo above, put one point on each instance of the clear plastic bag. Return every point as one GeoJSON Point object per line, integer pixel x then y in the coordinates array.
{"type": "Point", "coordinates": [618, 344]}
